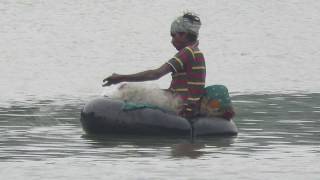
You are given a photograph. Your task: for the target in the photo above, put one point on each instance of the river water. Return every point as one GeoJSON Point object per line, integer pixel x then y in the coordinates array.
{"type": "Point", "coordinates": [54, 55]}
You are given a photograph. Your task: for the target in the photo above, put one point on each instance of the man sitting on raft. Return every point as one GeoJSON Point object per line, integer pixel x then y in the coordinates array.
{"type": "Point", "coordinates": [187, 67]}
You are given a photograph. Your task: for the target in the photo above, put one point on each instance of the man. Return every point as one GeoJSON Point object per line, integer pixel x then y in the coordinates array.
{"type": "Point", "coordinates": [187, 66]}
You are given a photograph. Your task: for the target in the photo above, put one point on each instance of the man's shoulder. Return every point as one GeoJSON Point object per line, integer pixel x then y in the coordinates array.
{"type": "Point", "coordinates": [185, 53]}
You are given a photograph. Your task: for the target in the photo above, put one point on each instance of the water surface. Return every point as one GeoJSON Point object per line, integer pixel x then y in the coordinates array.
{"type": "Point", "coordinates": [278, 137]}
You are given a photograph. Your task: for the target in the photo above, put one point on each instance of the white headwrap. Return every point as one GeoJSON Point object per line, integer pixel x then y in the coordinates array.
{"type": "Point", "coordinates": [182, 24]}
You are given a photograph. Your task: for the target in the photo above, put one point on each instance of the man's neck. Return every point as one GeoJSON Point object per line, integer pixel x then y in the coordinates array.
{"type": "Point", "coordinates": [193, 43]}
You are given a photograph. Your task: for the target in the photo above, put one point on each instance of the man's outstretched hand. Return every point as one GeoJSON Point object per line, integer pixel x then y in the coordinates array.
{"type": "Point", "coordinates": [113, 79]}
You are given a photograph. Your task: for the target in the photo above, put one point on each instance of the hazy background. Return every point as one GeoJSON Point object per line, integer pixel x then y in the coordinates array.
{"type": "Point", "coordinates": [65, 48]}
{"type": "Point", "coordinates": [54, 55]}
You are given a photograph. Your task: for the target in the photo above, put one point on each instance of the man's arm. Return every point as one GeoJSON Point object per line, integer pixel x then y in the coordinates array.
{"type": "Point", "coordinates": [138, 77]}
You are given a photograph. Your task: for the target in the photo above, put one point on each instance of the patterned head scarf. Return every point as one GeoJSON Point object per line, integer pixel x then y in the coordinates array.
{"type": "Point", "coordinates": [185, 24]}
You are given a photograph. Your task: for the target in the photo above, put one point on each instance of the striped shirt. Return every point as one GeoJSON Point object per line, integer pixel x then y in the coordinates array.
{"type": "Point", "coordinates": [188, 78]}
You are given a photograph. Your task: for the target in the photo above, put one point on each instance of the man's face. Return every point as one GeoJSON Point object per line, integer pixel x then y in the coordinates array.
{"type": "Point", "coordinates": [179, 40]}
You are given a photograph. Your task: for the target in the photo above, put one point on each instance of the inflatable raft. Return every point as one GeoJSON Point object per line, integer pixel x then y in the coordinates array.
{"type": "Point", "coordinates": [106, 116]}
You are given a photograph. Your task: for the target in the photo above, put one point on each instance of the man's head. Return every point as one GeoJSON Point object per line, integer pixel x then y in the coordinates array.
{"type": "Point", "coordinates": [185, 30]}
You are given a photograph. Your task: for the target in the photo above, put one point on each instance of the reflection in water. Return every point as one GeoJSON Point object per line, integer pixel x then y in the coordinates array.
{"type": "Point", "coordinates": [192, 150]}
{"type": "Point", "coordinates": [203, 146]}
{"type": "Point", "coordinates": [152, 146]}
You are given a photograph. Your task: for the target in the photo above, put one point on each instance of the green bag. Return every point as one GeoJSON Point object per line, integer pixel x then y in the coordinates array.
{"type": "Point", "coordinates": [216, 101]}
{"type": "Point", "coordinates": [218, 93]}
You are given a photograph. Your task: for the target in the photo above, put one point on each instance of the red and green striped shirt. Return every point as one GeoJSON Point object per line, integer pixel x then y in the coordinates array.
{"type": "Point", "coordinates": [188, 78]}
